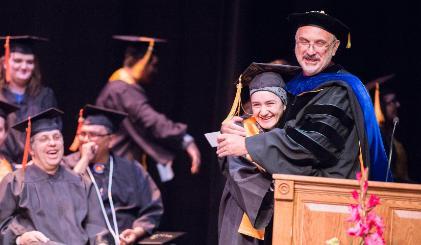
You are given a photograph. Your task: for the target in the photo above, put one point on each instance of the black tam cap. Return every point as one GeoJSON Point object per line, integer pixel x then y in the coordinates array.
{"type": "Point", "coordinates": [6, 108]}
{"type": "Point", "coordinates": [23, 44]}
{"type": "Point", "coordinates": [324, 21]}
{"type": "Point", "coordinates": [47, 120]}
{"type": "Point", "coordinates": [95, 115]}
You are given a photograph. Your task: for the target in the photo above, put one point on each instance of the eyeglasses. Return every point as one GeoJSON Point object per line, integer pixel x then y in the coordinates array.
{"type": "Point", "coordinates": [318, 46]}
{"type": "Point", "coordinates": [92, 135]}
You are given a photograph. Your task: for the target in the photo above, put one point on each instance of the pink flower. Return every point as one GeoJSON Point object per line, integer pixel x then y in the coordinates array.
{"type": "Point", "coordinates": [360, 230]}
{"type": "Point", "coordinates": [373, 201]}
{"type": "Point", "coordinates": [355, 213]}
{"type": "Point", "coordinates": [377, 221]}
{"type": "Point", "coordinates": [355, 195]}
{"type": "Point", "coordinates": [374, 239]}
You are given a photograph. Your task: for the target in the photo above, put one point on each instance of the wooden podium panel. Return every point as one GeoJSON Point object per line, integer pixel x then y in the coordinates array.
{"type": "Point", "coordinates": [312, 210]}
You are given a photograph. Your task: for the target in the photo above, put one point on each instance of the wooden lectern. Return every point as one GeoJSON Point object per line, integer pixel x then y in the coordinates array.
{"type": "Point", "coordinates": [312, 210]}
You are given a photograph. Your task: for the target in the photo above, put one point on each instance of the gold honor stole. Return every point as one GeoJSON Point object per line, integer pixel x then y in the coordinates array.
{"type": "Point", "coordinates": [246, 228]}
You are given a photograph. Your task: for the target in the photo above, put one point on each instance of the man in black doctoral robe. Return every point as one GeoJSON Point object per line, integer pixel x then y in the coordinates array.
{"type": "Point", "coordinates": [44, 202]}
{"type": "Point", "coordinates": [135, 197]}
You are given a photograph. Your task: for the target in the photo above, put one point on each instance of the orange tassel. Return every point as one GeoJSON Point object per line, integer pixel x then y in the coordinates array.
{"type": "Point", "coordinates": [6, 58]}
{"type": "Point", "coordinates": [377, 108]}
{"type": "Point", "coordinates": [76, 142]}
{"type": "Point", "coordinates": [27, 144]}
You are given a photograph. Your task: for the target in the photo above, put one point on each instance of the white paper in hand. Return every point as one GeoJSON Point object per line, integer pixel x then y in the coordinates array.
{"type": "Point", "coordinates": [211, 137]}
{"type": "Point", "coordinates": [165, 172]}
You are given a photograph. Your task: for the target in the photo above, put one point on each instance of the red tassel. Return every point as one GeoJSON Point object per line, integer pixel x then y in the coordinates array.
{"type": "Point", "coordinates": [76, 142]}
{"type": "Point", "coordinates": [6, 58]}
{"type": "Point", "coordinates": [27, 144]}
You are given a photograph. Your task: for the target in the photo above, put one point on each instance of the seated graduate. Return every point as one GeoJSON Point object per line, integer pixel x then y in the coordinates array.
{"type": "Point", "coordinates": [246, 203]}
{"type": "Point", "coordinates": [43, 202]}
{"type": "Point", "coordinates": [134, 206]}
{"type": "Point", "coordinates": [6, 165]}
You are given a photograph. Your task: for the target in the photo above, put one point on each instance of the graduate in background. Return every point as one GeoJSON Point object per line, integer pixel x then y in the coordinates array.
{"type": "Point", "coordinates": [6, 166]}
{"type": "Point", "coordinates": [246, 206]}
{"type": "Point", "coordinates": [21, 84]}
{"type": "Point", "coordinates": [134, 206]}
{"type": "Point", "coordinates": [145, 131]}
{"type": "Point", "coordinates": [43, 201]}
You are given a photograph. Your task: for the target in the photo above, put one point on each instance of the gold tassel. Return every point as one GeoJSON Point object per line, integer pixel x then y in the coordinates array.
{"type": "Point", "coordinates": [377, 108]}
{"type": "Point", "coordinates": [236, 105]}
{"type": "Point", "coordinates": [139, 67]}
{"type": "Point", "coordinates": [348, 45]}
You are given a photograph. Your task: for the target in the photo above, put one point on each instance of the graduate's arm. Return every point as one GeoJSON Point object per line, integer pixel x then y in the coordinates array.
{"type": "Point", "coordinates": [313, 144]}
{"type": "Point", "coordinates": [136, 104]}
{"type": "Point", "coordinates": [150, 201]}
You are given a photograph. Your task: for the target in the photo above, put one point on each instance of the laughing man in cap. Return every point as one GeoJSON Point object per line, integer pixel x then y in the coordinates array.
{"type": "Point", "coordinates": [330, 118]}
{"type": "Point", "coordinates": [44, 202]}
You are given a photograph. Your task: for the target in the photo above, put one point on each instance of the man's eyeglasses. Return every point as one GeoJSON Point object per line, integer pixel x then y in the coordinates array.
{"type": "Point", "coordinates": [92, 135]}
{"type": "Point", "coordinates": [318, 46]}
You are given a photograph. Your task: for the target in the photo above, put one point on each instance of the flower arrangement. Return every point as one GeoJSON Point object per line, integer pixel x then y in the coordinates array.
{"type": "Point", "coordinates": [368, 226]}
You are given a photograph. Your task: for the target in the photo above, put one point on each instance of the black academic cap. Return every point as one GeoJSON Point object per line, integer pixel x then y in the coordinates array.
{"type": "Point", "coordinates": [96, 115]}
{"type": "Point", "coordinates": [44, 121]}
{"type": "Point", "coordinates": [138, 45]}
{"type": "Point", "coordinates": [23, 44]}
{"type": "Point", "coordinates": [258, 75]}
{"type": "Point", "coordinates": [324, 21]}
{"type": "Point", "coordinates": [6, 108]}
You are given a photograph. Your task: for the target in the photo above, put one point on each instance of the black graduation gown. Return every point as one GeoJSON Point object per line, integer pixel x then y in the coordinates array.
{"type": "Point", "coordinates": [320, 137]}
{"type": "Point", "coordinates": [247, 190]}
{"type": "Point", "coordinates": [62, 206]}
{"type": "Point", "coordinates": [30, 105]}
{"type": "Point", "coordinates": [144, 130]}
{"type": "Point", "coordinates": [137, 200]}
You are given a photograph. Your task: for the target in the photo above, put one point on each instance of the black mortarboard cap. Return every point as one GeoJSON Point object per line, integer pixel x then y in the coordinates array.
{"type": "Point", "coordinates": [44, 121]}
{"type": "Point", "coordinates": [138, 45]}
{"type": "Point", "coordinates": [23, 44]}
{"type": "Point", "coordinates": [324, 21]}
{"type": "Point", "coordinates": [259, 75]}
{"type": "Point", "coordinates": [96, 115]}
{"type": "Point", "coordinates": [6, 108]}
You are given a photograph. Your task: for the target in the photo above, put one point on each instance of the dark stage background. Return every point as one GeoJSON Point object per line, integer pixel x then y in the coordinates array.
{"type": "Point", "coordinates": [210, 43]}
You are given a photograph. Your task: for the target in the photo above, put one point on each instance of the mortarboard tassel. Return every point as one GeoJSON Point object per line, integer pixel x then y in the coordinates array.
{"type": "Point", "coordinates": [139, 67]}
{"type": "Point", "coordinates": [76, 142]}
{"type": "Point", "coordinates": [348, 44]}
{"type": "Point", "coordinates": [236, 105]}
{"type": "Point", "coordinates": [6, 58]}
{"type": "Point", "coordinates": [377, 108]}
{"type": "Point", "coordinates": [27, 144]}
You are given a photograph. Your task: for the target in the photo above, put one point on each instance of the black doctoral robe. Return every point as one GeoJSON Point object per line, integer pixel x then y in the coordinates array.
{"type": "Point", "coordinates": [137, 200]}
{"type": "Point", "coordinates": [62, 206]}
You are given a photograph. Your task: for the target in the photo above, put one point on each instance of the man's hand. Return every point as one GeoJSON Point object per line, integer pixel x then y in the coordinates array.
{"type": "Point", "coordinates": [32, 237]}
{"type": "Point", "coordinates": [230, 127]}
{"type": "Point", "coordinates": [231, 145]}
{"type": "Point", "coordinates": [129, 236]}
{"type": "Point", "coordinates": [87, 154]}
{"type": "Point", "coordinates": [194, 154]}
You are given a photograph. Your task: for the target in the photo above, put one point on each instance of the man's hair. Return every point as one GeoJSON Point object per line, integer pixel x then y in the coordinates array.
{"type": "Point", "coordinates": [132, 55]}
{"type": "Point", "coordinates": [34, 85]}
